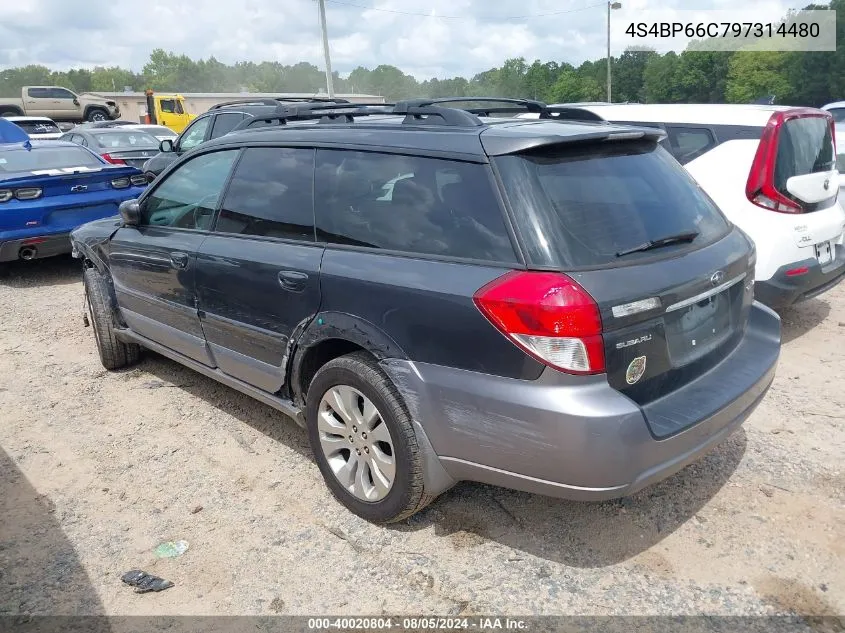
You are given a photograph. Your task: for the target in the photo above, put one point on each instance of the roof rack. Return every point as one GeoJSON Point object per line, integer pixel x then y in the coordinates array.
{"type": "Point", "coordinates": [514, 106]}
{"type": "Point", "coordinates": [274, 101]}
{"type": "Point", "coordinates": [417, 111]}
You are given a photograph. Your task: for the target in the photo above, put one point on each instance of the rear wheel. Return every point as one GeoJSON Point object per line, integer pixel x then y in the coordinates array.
{"type": "Point", "coordinates": [363, 440]}
{"type": "Point", "coordinates": [9, 113]}
{"type": "Point", "coordinates": [114, 354]}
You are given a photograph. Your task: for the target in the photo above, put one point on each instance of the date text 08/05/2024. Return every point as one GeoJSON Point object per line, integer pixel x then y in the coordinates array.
{"type": "Point", "coordinates": [417, 624]}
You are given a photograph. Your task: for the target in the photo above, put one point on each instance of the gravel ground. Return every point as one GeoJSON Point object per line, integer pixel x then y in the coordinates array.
{"type": "Point", "coordinates": [98, 468]}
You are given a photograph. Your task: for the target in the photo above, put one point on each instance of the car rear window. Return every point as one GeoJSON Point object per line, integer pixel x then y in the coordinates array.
{"type": "Point", "coordinates": [126, 140]}
{"type": "Point", "coordinates": [38, 127]}
{"type": "Point", "coordinates": [579, 206]}
{"type": "Point", "coordinates": [805, 147]}
{"type": "Point", "coordinates": [38, 158]}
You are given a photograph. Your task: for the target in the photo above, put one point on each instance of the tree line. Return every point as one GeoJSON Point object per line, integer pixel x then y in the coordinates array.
{"type": "Point", "coordinates": [639, 75]}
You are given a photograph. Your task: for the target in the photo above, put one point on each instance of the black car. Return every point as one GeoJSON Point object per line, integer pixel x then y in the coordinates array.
{"type": "Point", "coordinates": [220, 119]}
{"type": "Point", "coordinates": [117, 145]}
{"type": "Point", "coordinates": [439, 296]}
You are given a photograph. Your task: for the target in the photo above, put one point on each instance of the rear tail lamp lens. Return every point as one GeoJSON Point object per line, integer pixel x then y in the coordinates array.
{"type": "Point", "coordinates": [139, 180]}
{"type": "Point", "coordinates": [6, 195]}
{"type": "Point", "coordinates": [549, 316]}
{"type": "Point", "coordinates": [29, 193]}
{"type": "Point", "coordinates": [113, 160]}
{"type": "Point", "coordinates": [120, 183]}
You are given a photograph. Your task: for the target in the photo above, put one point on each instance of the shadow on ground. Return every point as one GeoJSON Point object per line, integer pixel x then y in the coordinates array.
{"type": "Point", "coordinates": [575, 534]}
{"type": "Point", "coordinates": [51, 271]}
{"type": "Point", "coordinates": [40, 571]}
{"type": "Point", "coordinates": [798, 320]}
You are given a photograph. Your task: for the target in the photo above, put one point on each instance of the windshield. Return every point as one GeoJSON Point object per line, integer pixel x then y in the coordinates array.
{"type": "Point", "coordinates": [38, 127]}
{"type": "Point", "coordinates": [582, 206]}
{"type": "Point", "coordinates": [125, 139]}
{"type": "Point", "coordinates": [38, 158]}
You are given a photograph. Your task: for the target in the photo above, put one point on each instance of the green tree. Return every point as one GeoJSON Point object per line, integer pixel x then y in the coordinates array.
{"type": "Point", "coordinates": [660, 79]}
{"type": "Point", "coordinates": [755, 74]}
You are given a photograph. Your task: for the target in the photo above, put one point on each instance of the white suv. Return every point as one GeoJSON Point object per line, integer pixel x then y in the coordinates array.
{"type": "Point", "coordinates": [772, 171]}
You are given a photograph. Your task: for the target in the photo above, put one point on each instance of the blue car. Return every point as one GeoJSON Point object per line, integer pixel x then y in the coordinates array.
{"type": "Point", "coordinates": [48, 188]}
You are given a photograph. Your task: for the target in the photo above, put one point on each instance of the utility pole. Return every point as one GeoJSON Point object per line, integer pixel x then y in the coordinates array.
{"type": "Point", "coordinates": [610, 5]}
{"type": "Point", "coordinates": [329, 85]}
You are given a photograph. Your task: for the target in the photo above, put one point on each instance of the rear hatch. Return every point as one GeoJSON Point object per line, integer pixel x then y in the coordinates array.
{"type": "Point", "coordinates": [671, 278]}
{"type": "Point", "coordinates": [794, 169]}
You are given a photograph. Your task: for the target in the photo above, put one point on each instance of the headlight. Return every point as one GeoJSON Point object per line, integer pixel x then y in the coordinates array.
{"type": "Point", "coordinates": [120, 183]}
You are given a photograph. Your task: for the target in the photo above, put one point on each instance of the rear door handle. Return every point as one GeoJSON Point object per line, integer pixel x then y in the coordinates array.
{"type": "Point", "coordinates": [292, 280]}
{"type": "Point", "coordinates": [179, 260]}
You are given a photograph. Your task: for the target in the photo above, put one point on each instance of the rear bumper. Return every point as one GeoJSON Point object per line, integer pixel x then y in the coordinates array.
{"type": "Point", "coordinates": [576, 437]}
{"type": "Point", "coordinates": [44, 245]}
{"type": "Point", "coordinates": [782, 290]}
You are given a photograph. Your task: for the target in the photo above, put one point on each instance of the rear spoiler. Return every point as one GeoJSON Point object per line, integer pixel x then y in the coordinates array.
{"type": "Point", "coordinates": [496, 145]}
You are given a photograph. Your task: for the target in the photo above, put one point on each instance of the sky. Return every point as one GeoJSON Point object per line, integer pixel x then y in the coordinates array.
{"type": "Point", "coordinates": [444, 38]}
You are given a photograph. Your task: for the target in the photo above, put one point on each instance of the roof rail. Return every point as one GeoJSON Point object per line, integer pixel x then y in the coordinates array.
{"type": "Point", "coordinates": [274, 101]}
{"type": "Point", "coordinates": [513, 106]}
{"type": "Point", "coordinates": [346, 112]}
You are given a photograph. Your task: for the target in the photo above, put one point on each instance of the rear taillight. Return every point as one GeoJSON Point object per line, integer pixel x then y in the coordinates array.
{"type": "Point", "coordinates": [549, 316]}
{"type": "Point", "coordinates": [28, 193]}
{"type": "Point", "coordinates": [139, 181]}
{"type": "Point", "coordinates": [24, 193]}
{"type": "Point", "coordinates": [760, 188]}
{"type": "Point", "coordinates": [114, 161]}
{"type": "Point", "coordinates": [120, 183]}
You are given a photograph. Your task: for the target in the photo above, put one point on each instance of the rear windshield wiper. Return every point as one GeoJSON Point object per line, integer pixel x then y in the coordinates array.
{"type": "Point", "coordinates": [678, 238]}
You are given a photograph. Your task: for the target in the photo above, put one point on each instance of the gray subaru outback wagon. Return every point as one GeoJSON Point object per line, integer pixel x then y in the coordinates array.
{"type": "Point", "coordinates": [439, 294]}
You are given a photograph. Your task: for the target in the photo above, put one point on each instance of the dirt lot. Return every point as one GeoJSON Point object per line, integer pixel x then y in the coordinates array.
{"type": "Point", "coordinates": [98, 468]}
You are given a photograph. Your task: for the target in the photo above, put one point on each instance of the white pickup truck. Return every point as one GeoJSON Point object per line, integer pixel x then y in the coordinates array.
{"type": "Point", "coordinates": [59, 104]}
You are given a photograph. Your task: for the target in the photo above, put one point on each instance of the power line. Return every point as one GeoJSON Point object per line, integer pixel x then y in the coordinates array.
{"type": "Point", "coordinates": [464, 17]}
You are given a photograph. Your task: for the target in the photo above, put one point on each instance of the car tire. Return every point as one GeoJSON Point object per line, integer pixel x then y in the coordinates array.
{"type": "Point", "coordinates": [114, 354]}
{"type": "Point", "coordinates": [360, 373]}
{"type": "Point", "coordinates": [9, 113]}
{"type": "Point", "coordinates": [97, 114]}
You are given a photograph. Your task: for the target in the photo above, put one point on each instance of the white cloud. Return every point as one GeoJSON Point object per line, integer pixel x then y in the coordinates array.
{"type": "Point", "coordinates": [461, 37]}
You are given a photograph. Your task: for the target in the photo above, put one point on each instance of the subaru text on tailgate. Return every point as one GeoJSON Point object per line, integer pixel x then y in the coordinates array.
{"type": "Point", "coordinates": [439, 296]}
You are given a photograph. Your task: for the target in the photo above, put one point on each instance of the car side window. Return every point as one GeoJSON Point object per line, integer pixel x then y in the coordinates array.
{"type": "Point", "coordinates": [404, 203]}
{"type": "Point", "coordinates": [188, 197]}
{"type": "Point", "coordinates": [688, 143]}
{"type": "Point", "coordinates": [61, 93]}
{"type": "Point", "coordinates": [271, 195]}
{"type": "Point", "coordinates": [166, 106]}
{"type": "Point", "coordinates": [38, 93]}
{"type": "Point", "coordinates": [195, 134]}
{"type": "Point", "coordinates": [225, 123]}
{"type": "Point", "coordinates": [838, 114]}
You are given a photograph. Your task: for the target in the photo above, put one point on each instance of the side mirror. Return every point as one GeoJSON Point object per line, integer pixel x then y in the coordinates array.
{"type": "Point", "coordinates": [75, 101]}
{"type": "Point", "coordinates": [130, 212]}
{"type": "Point", "coordinates": [166, 146]}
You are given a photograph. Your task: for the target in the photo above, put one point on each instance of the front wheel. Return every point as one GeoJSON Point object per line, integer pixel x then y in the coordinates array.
{"type": "Point", "coordinates": [98, 115]}
{"type": "Point", "coordinates": [114, 354]}
{"type": "Point", "coordinates": [363, 440]}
